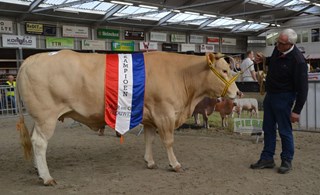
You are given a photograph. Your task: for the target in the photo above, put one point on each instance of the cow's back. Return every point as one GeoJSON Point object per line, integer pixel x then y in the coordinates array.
{"type": "Point", "coordinates": [68, 82]}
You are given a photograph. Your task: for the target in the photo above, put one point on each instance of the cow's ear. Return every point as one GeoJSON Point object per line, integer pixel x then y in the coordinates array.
{"type": "Point", "coordinates": [210, 58]}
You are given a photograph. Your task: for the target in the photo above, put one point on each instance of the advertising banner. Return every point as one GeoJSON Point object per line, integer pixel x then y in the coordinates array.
{"type": "Point", "coordinates": [228, 41]}
{"type": "Point", "coordinates": [148, 46]}
{"type": "Point", "coordinates": [196, 39]}
{"type": "Point", "coordinates": [40, 29]}
{"type": "Point", "coordinates": [75, 31]}
{"type": "Point", "coordinates": [59, 43]}
{"type": "Point", "coordinates": [19, 41]}
{"type": "Point", "coordinates": [213, 40]}
{"type": "Point", "coordinates": [133, 35]}
{"type": "Point", "coordinates": [6, 26]}
{"type": "Point", "coordinates": [93, 45]}
{"type": "Point", "coordinates": [247, 125]}
{"type": "Point", "coordinates": [169, 47]}
{"type": "Point", "coordinates": [188, 47]}
{"type": "Point", "coordinates": [157, 36]}
{"type": "Point", "coordinates": [206, 48]}
{"type": "Point", "coordinates": [122, 46]}
{"type": "Point", "coordinates": [176, 38]}
{"type": "Point", "coordinates": [256, 41]}
{"type": "Point", "coordinates": [108, 33]}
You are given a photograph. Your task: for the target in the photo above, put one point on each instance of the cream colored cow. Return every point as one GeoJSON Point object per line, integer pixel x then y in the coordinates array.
{"type": "Point", "coordinates": [69, 84]}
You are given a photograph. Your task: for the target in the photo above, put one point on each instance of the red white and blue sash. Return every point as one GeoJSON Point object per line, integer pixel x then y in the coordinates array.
{"type": "Point", "coordinates": [124, 91]}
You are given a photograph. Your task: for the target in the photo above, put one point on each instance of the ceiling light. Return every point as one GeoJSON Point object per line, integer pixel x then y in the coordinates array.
{"type": "Point", "coordinates": [264, 23]}
{"type": "Point", "coordinates": [305, 1]}
{"type": "Point", "coordinates": [122, 3]}
{"type": "Point", "coordinates": [194, 13]}
{"type": "Point", "coordinates": [209, 15]}
{"type": "Point", "coordinates": [175, 10]}
{"type": "Point", "coordinates": [147, 6]}
{"type": "Point", "coordinates": [250, 21]}
{"type": "Point", "coordinates": [317, 4]}
{"type": "Point", "coordinates": [240, 20]}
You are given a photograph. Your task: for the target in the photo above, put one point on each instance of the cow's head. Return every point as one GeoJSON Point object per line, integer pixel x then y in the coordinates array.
{"type": "Point", "coordinates": [221, 70]}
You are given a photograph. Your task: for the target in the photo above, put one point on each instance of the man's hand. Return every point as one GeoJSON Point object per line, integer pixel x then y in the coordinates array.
{"type": "Point", "coordinates": [294, 117]}
{"type": "Point", "coordinates": [259, 57]}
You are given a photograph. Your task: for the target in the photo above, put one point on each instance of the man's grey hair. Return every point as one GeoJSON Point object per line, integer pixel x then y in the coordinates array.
{"type": "Point", "coordinates": [292, 35]}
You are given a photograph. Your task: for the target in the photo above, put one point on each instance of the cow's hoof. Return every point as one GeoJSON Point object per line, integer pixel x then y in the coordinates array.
{"type": "Point", "coordinates": [50, 182]}
{"type": "Point", "coordinates": [152, 166]}
{"type": "Point", "coordinates": [177, 168]}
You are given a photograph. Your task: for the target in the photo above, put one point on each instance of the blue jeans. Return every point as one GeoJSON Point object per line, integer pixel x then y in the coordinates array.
{"type": "Point", "coordinates": [277, 111]}
{"type": "Point", "coordinates": [11, 99]}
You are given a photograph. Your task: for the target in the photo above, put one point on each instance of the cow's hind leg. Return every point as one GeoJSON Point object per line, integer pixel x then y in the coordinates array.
{"type": "Point", "coordinates": [40, 136]}
{"type": "Point", "coordinates": [149, 135]}
{"type": "Point", "coordinates": [166, 136]}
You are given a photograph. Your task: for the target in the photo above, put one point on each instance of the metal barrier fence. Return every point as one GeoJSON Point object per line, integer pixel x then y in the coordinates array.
{"type": "Point", "coordinates": [8, 103]}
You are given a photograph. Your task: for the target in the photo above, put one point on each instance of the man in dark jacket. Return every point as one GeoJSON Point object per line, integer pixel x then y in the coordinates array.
{"type": "Point", "coordinates": [287, 88]}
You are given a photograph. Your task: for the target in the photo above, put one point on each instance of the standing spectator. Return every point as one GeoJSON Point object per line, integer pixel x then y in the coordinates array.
{"type": "Point", "coordinates": [286, 85]}
{"type": "Point", "coordinates": [10, 92]}
{"type": "Point", "coordinates": [248, 74]}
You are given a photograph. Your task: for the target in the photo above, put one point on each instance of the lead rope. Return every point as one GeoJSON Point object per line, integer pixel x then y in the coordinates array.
{"type": "Point", "coordinates": [261, 77]}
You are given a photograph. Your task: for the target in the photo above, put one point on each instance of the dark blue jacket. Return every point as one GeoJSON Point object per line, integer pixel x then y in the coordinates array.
{"type": "Point", "coordinates": [288, 73]}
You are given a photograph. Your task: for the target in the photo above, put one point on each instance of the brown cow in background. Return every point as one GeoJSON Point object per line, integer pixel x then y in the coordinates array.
{"type": "Point", "coordinates": [208, 105]}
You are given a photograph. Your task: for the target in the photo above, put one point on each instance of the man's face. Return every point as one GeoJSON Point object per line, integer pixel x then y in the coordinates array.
{"type": "Point", "coordinates": [282, 44]}
{"type": "Point", "coordinates": [10, 78]}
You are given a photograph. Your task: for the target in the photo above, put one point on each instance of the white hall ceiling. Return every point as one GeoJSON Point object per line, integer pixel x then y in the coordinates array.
{"type": "Point", "coordinates": [244, 17]}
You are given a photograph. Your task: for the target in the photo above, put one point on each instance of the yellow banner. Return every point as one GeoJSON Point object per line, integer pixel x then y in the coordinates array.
{"type": "Point", "coordinates": [34, 28]}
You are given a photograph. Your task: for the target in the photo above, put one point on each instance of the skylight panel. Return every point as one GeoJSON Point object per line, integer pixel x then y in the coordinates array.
{"type": "Point", "coordinates": [89, 5]}
{"type": "Point", "coordinates": [27, 2]}
{"type": "Point", "coordinates": [224, 23]}
{"type": "Point", "coordinates": [252, 27]}
{"type": "Point", "coordinates": [295, 5]}
{"type": "Point", "coordinates": [104, 6]}
{"type": "Point", "coordinates": [154, 17]}
{"type": "Point", "coordinates": [268, 2]}
{"type": "Point", "coordinates": [179, 17]}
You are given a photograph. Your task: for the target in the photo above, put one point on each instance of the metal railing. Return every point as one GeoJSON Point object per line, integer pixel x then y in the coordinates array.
{"type": "Point", "coordinates": [8, 102]}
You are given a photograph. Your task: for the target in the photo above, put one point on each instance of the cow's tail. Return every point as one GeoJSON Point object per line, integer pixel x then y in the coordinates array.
{"type": "Point", "coordinates": [22, 128]}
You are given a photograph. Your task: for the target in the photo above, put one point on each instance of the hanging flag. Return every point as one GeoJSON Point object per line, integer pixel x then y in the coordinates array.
{"type": "Point", "coordinates": [124, 91]}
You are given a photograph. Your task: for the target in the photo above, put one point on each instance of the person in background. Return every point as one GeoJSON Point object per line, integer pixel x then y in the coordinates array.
{"type": "Point", "coordinates": [249, 74]}
{"type": "Point", "coordinates": [10, 96]}
{"type": "Point", "coordinates": [287, 89]}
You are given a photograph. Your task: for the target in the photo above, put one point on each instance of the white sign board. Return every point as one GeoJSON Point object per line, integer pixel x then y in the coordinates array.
{"type": "Point", "coordinates": [6, 26]}
{"type": "Point", "coordinates": [176, 38]}
{"type": "Point", "coordinates": [148, 46]}
{"type": "Point", "coordinates": [247, 125]}
{"type": "Point", "coordinates": [229, 41]}
{"type": "Point", "coordinates": [196, 39]}
{"type": "Point", "coordinates": [157, 36]}
{"type": "Point", "coordinates": [93, 45]}
{"type": "Point", "coordinates": [75, 31]}
{"type": "Point", "coordinates": [206, 48]}
{"type": "Point", "coordinates": [19, 41]}
{"type": "Point", "coordinates": [188, 47]}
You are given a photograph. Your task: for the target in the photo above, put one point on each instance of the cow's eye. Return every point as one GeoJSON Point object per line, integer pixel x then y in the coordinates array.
{"type": "Point", "coordinates": [225, 71]}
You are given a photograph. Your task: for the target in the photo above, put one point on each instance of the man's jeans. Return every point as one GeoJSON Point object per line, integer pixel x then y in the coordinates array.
{"type": "Point", "coordinates": [277, 111]}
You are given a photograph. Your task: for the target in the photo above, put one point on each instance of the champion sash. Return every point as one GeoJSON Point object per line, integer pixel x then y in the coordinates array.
{"type": "Point", "coordinates": [124, 91]}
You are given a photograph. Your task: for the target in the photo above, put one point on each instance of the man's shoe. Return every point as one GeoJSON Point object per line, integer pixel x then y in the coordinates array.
{"type": "Point", "coordinates": [261, 164]}
{"type": "Point", "coordinates": [285, 167]}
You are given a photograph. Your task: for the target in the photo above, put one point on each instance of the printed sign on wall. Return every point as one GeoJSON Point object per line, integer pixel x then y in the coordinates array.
{"type": "Point", "coordinates": [93, 45]}
{"type": "Point", "coordinates": [188, 47]}
{"type": "Point", "coordinates": [206, 48]}
{"type": "Point", "coordinates": [75, 31]}
{"type": "Point", "coordinates": [40, 29]}
{"type": "Point", "coordinates": [108, 34]}
{"type": "Point", "coordinates": [196, 39]}
{"type": "Point", "coordinates": [213, 40]}
{"type": "Point", "coordinates": [122, 46]}
{"type": "Point", "coordinates": [19, 41]}
{"type": "Point", "coordinates": [59, 43]}
{"type": "Point", "coordinates": [148, 46]}
{"type": "Point", "coordinates": [6, 26]}
{"type": "Point", "coordinates": [228, 41]}
{"type": "Point", "coordinates": [169, 47]}
{"type": "Point", "coordinates": [157, 36]}
{"type": "Point", "coordinates": [176, 38]}
{"type": "Point", "coordinates": [133, 35]}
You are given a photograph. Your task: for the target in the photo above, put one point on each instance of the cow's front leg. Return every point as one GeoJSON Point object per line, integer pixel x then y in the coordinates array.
{"type": "Point", "coordinates": [149, 135]}
{"type": "Point", "coordinates": [167, 138]}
